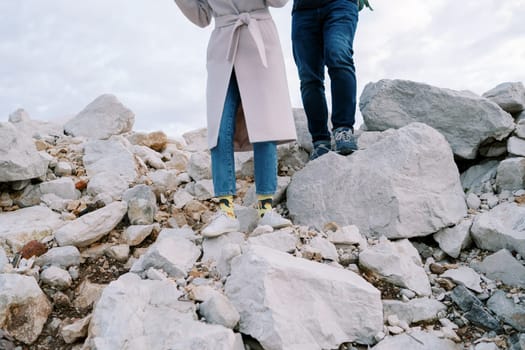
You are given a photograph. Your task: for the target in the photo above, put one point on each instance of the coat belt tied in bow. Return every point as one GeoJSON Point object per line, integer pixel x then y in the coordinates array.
{"type": "Point", "coordinates": [247, 20]}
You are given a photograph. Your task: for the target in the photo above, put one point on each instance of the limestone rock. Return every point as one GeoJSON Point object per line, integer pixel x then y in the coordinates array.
{"type": "Point", "coordinates": [199, 166]}
{"type": "Point", "coordinates": [415, 310]}
{"type": "Point", "coordinates": [504, 267]}
{"type": "Point", "coordinates": [466, 276]}
{"type": "Point", "coordinates": [509, 96]}
{"type": "Point", "coordinates": [500, 228]}
{"type": "Point", "coordinates": [87, 294]}
{"type": "Point", "coordinates": [287, 302]}
{"type": "Point", "coordinates": [511, 174]}
{"type": "Point", "coordinates": [507, 310]}
{"type": "Point", "coordinates": [171, 254]}
{"type": "Point", "coordinates": [453, 240]}
{"type": "Point", "coordinates": [516, 146]}
{"type": "Point", "coordinates": [56, 277]}
{"type": "Point", "coordinates": [91, 227]}
{"type": "Point", "coordinates": [219, 310]}
{"type": "Point", "coordinates": [24, 308]}
{"type": "Point", "coordinates": [4, 262]}
{"type": "Point", "coordinates": [398, 263]}
{"type": "Point", "coordinates": [63, 187]}
{"type": "Point", "coordinates": [405, 185]}
{"type": "Point", "coordinates": [142, 205]}
{"type": "Point", "coordinates": [196, 140]}
{"type": "Point", "coordinates": [283, 240]}
{"type": "Point", "coordinates": [19, 159]}
{"type": "Point", "coordinates": [417, 340]}
{"type": "Point", "coordinates": [156, 140]}
{"type": "Point", "coordinates": [36, 129]}
{"type": "Point", "coordinates": [60, 256]}
{"type": "Point", "coordinates": [396, 103]}
{"type": "Point", "coordinates": [102, 118]}
{"type": "Point", "coordinates": [74, 330]}
{"type": "Point", "coordinates": [107, 183]}
{"type": "Point", "coordinates": [304, 139]}
{"type": "Point", "coordinates": [109, 156]}
{"type": "Point", "coordinates": [135, 234]}
{"type": "Point", "coordinates": [24, 225]}
{"type": "Point", "coordinates": [146, 314]}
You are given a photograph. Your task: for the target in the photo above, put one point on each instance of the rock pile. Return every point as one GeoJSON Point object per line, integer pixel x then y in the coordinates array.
{"type": "Point", "coordinates": [416, 241]}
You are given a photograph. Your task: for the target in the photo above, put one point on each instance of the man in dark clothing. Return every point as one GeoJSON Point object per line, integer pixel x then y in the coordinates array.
{"type": "Point", "coordinates": [322, 35]}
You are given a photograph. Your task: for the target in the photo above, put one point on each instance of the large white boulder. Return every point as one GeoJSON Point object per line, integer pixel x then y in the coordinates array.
{"type": "Point", "coordinates": [404, 185]}
{"type": "Point", "coordinates": [396, 103]}
{"type": "Point", "coordinates": [102, 118]}
{"type": "Point", "coordinates": [292, 303]}
{"type": "Point", "coordinates": [146, 314]}
{"type": "Point", "coordinates": [19, 158]}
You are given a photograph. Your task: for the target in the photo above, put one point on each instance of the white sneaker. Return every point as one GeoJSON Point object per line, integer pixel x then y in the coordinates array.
{"type": "Point", "coordinates": [222, 223]}
{"type": "Point", "coordinates": [273, 219]}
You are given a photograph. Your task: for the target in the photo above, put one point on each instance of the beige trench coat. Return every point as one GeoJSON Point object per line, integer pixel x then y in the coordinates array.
{"type": "Point", "coordinates": [245, 38]}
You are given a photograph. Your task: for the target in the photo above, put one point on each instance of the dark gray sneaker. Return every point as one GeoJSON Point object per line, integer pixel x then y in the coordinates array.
{"type": "Point", "coordinates": [345, 141]}
{"type": "Point", "coordinates": [320, 148]}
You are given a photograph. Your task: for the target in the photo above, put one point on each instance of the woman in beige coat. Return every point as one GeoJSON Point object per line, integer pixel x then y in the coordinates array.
{"type": "Point", "coordinates": [248, 103]}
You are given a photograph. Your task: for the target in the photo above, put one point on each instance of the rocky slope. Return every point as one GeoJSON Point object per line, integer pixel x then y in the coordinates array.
{"type": "Point", "coordinates": [416, 241]}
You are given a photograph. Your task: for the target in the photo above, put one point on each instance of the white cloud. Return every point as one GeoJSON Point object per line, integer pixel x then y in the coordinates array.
{"type": "Point", "coordinates": [59, 55]}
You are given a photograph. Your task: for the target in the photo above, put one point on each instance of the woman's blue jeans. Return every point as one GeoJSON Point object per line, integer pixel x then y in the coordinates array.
{"type": "Point", "coordinates": [222, 158]}
{"type": "Point", "coordinates": [322, 37]}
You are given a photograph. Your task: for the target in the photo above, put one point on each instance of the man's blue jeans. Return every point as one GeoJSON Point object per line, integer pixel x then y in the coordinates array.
{"type": "Point", "coordinates": [222, 158]}
{"type": "Point", "coordinates": [324, 37]}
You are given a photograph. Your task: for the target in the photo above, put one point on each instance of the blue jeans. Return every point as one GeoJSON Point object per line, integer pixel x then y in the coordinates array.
{"type": "Point", "coordinates": [322, 37]}
{"type": "Point", "coordinates": [223, 161]}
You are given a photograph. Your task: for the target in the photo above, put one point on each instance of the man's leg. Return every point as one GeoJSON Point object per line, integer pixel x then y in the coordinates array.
{"type": "Point", "coordinates": [340, 24]}
{"type": "Point", "coordinates": [307, 40]}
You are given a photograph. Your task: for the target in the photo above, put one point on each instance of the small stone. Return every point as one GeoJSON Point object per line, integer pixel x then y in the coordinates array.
{"type": "Point", "coordinates": [118, 252]}
{"type": "Point", "coordinates": [407, 293]}
{"type": "Point", "coordinates": [449, 333]}
{"type": "Point", "coordinates": [74, 272]}
{"type": "Point", "coordinates": [445, 283]}
{"type": "Point", "coordinates": [56, 277]}
{"type": "Point", "coordinates": [61, 299]}
{"type": "Point", "coordinates": [437, 268]}
{"type": "Point", "coordinates": [395, 330]}
{"type": "Point", "coordinates": [445, 322]}
{"type": "Point", "coordinates": [393, 320]}
{"type": "Point", "coordinates": [473, 201]}
{"type": "Point", "coordinates": [63, 169]}
{"type": "Point", "coordinates": [75, 330]}
{"type": "Point", "coordinates": [81, 184]}
{"type": "Point", "coordinates": [33, 248]}
{"type": "Point", "coordinates": [5, 200]}
{"type": "Point", "coordinates": [379, 336]}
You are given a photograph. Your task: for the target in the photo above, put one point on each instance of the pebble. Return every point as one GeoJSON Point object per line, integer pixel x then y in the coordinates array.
{"type": "Point", "coordinates": [395, 330]}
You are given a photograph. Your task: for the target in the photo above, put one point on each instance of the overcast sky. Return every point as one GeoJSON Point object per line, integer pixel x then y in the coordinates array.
{"type": "Point", "coordinates": [56, 56]}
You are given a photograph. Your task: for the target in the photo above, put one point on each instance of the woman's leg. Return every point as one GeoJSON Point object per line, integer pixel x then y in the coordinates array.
{"type": "Point", "coordinates": [265, 163]}
{"type": "Point", "coordinates": [222, 158]}
{"type": "Point", "coordinates": [265, 159]}
{"type": "Point", "coordinates": [223, 165]}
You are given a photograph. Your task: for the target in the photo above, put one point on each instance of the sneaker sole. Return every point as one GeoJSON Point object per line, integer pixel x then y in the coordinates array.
{"type": "Point", "coordinates": [345, 151]}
